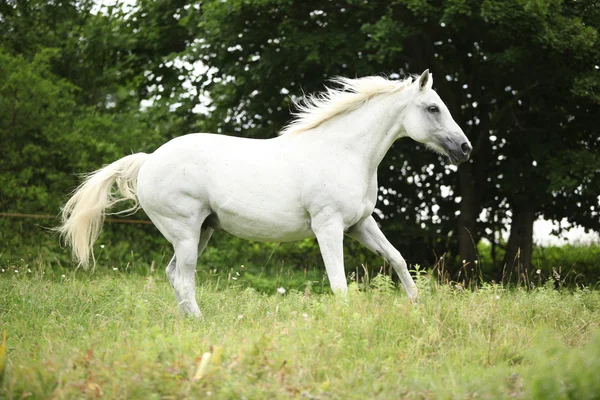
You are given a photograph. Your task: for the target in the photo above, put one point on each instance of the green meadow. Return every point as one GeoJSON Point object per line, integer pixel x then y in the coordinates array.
{"type": "Point", "coordinates": [119, 335]}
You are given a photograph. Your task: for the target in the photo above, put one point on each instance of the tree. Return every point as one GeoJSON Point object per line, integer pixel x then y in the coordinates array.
{"type": "Point", "coordinates": [32, 119]}
{"type": "Point", "coordinates": [61, 112]}
{"type": "Point", "coordinates": [520, 77]}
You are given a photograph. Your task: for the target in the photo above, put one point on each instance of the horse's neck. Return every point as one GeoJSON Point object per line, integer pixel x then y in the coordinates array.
{"type": "Point", "coordinates": [370, 130]}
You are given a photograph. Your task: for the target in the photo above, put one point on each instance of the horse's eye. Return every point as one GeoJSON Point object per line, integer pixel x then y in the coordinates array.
{"type": "Point", "coordinates": [433, 109]}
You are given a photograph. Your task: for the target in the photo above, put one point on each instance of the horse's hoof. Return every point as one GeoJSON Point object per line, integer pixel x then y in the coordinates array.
{"type": "Point", "coordinates": [413, 298]}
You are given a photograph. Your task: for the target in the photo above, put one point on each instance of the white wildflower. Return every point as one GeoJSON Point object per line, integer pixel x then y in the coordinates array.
{"type": "Point", "coordinates": [101, 246]}
{"type": "Point", "coordinates": [281, 290]}
{"type": "Point", "coordinates": [115, 269]}
{"type": "Point", "coordinates": [539, 271]}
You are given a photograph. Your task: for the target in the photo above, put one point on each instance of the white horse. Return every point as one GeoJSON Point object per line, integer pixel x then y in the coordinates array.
{"type": "Point", "coordinates": [317, 178]}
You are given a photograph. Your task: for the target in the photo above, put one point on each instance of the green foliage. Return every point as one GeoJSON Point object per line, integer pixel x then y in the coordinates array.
{"type": "Point", "coordinates": [519, 76]}
{"type": "Point", "coordinates": [120, 335]}
{"type": "Point", "coordinates": [60, 112]}
{"type": "Point", "coordinates": [575, 264]}
{"type": "Point", "coordinates": [48, 137]}
{"type": "Point", "coordinates": [33, 123]}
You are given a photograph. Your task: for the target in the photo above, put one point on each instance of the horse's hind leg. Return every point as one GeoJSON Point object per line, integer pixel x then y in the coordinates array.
{"type": "Point", "coordinates": [205, 234]}
{"type": "Point", "coordinates": [183, 279]}
{"type": "Point", "coordinates": [188, 237]}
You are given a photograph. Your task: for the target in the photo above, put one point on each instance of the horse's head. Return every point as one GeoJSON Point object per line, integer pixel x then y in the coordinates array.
{"type": "Point", "coordinates": [428, 121]}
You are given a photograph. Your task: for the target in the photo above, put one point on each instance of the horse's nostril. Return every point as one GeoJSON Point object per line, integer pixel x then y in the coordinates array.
{"type": "Point", "coordinates": [465, 147]}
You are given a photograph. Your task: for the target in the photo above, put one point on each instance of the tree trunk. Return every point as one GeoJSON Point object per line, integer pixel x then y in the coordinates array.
{"type": "Point", "coordinates": [519, 250]}
{"type": "Point", "coordinates": [469, 211]}
{"type": "Point", "coordinates": [472, 177]}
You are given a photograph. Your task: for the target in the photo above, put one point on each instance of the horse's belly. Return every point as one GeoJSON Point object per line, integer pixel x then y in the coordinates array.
{"type": "Point", "coordinates": [266, 227]}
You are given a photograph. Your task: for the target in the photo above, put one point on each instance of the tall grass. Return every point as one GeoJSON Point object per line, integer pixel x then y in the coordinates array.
{"type": "Point", "coordinates": [113, 334]}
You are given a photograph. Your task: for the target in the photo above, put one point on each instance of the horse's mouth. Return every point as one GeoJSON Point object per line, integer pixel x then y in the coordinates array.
{"type": "Point", "coordinates": [457, 157]}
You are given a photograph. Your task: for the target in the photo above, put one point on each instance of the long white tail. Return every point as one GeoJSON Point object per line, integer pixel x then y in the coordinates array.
{"type": "Point", "coordinates": [84, 213]}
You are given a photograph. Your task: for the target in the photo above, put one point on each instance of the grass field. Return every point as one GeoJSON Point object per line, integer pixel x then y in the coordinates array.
{"type": "Point", "coordinates": [119, 335]}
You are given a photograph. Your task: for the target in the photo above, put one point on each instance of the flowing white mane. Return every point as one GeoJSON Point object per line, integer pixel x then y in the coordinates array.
{"type": "Point", "coordinates": [316, 109]}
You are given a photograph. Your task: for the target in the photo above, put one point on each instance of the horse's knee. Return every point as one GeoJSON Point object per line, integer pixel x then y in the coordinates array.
{"type": "Point", "coordinates": [395, 258]}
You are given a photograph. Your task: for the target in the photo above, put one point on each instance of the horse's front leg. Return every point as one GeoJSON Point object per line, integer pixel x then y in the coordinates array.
{"type": "Point", "coordinates": [330, 235]}
{"type": "Point", "coordinates": [368, 233]}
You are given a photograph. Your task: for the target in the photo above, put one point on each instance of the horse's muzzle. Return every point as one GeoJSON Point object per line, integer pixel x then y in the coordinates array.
{"type": "Point", "coordinates": [457, 152]}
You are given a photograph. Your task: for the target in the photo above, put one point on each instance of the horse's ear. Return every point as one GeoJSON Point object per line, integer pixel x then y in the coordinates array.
{"type": "Point", "coordinates": [425, 80]}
